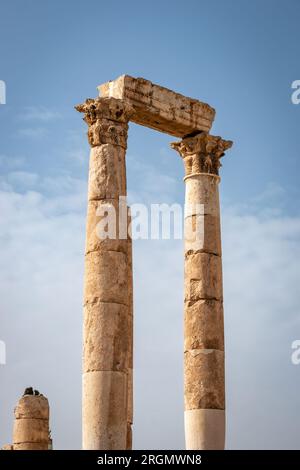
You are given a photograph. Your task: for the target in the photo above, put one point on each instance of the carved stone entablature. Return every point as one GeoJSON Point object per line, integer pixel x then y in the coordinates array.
{"type": "Point", "coordinates": [159, 108]}
{"type": "Point", "coordinates": [107, 119]}
{"type": "Point", "coordinates": [202, 152]}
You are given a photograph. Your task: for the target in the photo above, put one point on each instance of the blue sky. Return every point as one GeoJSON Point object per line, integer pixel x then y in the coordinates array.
{"type": "Point", "coordinates": [240, 57]}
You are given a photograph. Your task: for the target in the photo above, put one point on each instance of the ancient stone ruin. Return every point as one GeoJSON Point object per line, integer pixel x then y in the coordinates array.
{"type": "Point", "coordinates": [31, 425]}
{"type": "Point", "coordinates": [108, 286]}
{"type": "Point", "coordinates": [108, 295]}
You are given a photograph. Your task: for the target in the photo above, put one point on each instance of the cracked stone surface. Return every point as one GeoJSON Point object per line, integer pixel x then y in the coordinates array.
{"type": "Point", "coordinates": [31, 425]}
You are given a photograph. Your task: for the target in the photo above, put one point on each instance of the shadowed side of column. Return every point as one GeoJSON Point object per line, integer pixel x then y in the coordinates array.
{"type": "Point", "coordinates": [107, 330]}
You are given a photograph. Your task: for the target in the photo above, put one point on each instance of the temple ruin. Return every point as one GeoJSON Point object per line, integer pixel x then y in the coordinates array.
{"type": "Point", "coordinates": [108, 292]}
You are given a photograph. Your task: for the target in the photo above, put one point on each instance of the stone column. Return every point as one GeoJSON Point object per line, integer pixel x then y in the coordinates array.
{"type": "Point", "coordinates": [107, 331]}
{"type": "Point", "coordinates": [204, 380]}
{"type": "Point", "coordinates": [31, 426]}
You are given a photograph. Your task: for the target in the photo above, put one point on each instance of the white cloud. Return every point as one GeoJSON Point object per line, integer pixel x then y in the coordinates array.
{"type": "Point", "coordinates": [41, 262]}
{"type": "Point", "coordinates": [22, 179]}
{"type": "Point", "coordinates": [150, 185]}
{"type": "Point", "coordinates": [77, 155]}
{"type": "Point", "coordinates": [39, 113]}
{"type": "Point", "coordinates": [33, 132]}
{"type": "Point", "coordinates": [34, 119]}
{"type": "Point", "coordinates": [261, 279]}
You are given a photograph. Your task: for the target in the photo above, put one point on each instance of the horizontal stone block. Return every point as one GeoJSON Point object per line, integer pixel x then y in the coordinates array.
{"type": "Point", "coordinates": [104, 411]}
{"type": "Point", "coordinates": [32, 406]}
{"type": "Point", "coordinates": [204, 379]}
{"type": "Point", "coordinates": [106, 277]}
{"type": "Point", "coordinates": [31, 446]}
{"type": "Point", "coordinates": [204, 429]}
{"type": "Point", "coordinates": [204, 325]}
{"type": "Point", "coordinates": [30, 430]}
{"type": "Point", "coordinates": [202, 233]}
{"type": "Point", "coordinates": [160, 108]}
{"type": "Point", "coordinates": [107, 172]}
{"type": "Point", "coordinates": [203, 277]}
{"type": "Point", "coordinates": [106, 223]}
{"type": "Point", "coordinates": [202, 195]}
{"type": "Point", "coordinates": [106, 333]}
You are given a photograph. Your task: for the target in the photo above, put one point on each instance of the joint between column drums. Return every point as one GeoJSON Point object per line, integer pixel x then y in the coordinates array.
{"type": "Point", "coordinates": [120, 371]}
{"type": "Point", "coordinates": [218, 409]}
{"type": "Point", "coordinates": [216, 177]}
{"type": "Point", "coordinates": [195, 252]}
{"type": "Point", "coordinates": [208, 350]}
{"type": "Point", "coordinates": [192, 301]}
{"type": "Point", "coordinates": [189, 303]}
{"type": "Point", "coordinates": [29, 442]}
{"type": "Point", "coordinates": [98, 301]}
{"type": "Point", "coordinates": [28, 417]}
{"type": "Point", "coordinates": [108, 251]}
{"type": "Point", "coordinates": [105, 198]}
{"type": "Point", "coordinates": [198, 351]}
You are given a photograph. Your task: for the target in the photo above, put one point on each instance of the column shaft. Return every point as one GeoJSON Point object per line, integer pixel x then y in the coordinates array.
{"type": "Point", "coordinates": [107, 331]}
{"type": "Point", "coordinates": [204, 376]}
{"type": "Point", "coordinates": [203, 318]}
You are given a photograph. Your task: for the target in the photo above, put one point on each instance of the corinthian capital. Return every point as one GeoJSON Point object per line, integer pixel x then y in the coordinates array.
{"type": "Point", "coordinates": [107, 119]}
{"type": "Point", "coordinates": [202, 152]}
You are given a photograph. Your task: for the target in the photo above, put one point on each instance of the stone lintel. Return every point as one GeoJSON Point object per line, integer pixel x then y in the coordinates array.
{"type": "Point", "coordinates": [160, 108]}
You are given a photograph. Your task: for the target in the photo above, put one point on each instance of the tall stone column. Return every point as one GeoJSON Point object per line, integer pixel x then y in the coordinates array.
{"type": "Point", "coordinates": [204, 378]}
{"type": "Point", "coordinates": [31, 425]}
{"type": "Point", "coordinates": [107, 331]}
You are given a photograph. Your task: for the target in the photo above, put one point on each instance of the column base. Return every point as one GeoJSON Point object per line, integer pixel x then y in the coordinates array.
{"type": "Point", "coordinates": [204, 429]}
{"type": "Point", "coordinates": [104, 410]}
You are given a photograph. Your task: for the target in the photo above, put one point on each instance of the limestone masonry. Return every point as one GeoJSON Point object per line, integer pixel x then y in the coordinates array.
{"type": "Point", "coordinates": [108, 290]}
{"type": "Point", "coordinates": [160, 108]}
{"type": "Point", "coordinates": [31, 425]}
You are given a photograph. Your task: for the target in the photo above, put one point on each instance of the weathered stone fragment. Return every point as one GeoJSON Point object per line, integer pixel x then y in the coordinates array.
{"type": "Point", "coordinates": [31, 425]}
{"type": "Point", "coordinates": [160, 108]}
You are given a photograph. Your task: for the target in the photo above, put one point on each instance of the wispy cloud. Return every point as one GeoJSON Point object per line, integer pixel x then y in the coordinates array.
{"type": "Point", "coordinates": [33, 132]}
{"type": "Point", "coordinates": [11, 162]}
{"type": "Point", "coordinates": [22, 179]}
{"type": "Point", "coordinates": [77, 155]}
{"type": "Point", "coordinates": [150, 185]}
{"type": "Point", "coordinates": [39, 113]}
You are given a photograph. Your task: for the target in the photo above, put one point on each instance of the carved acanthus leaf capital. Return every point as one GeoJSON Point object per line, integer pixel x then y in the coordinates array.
{"type": "Point", "coordinates": [107, 119]}
{"type": "Point", "coordinates": [202, 152]}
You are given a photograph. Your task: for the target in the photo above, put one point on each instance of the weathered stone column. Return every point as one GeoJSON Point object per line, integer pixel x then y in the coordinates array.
{"type": "Point", "coordinates": [204, 381]}
{"type": "Point", "coordinates": [107, 334]}
{"type": "Point", "coordinates": [31, 426]}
